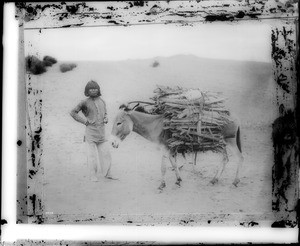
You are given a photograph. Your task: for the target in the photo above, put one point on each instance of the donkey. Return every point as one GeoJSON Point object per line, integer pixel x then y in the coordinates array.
{"type": "Point", "coordinates": [151, 127]}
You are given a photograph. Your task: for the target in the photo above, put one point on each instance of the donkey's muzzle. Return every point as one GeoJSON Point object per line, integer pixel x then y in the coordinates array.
{"type": "Point", "coordinates": [115, 142]}
{"type": "Point", "coordinates": [115, 145]}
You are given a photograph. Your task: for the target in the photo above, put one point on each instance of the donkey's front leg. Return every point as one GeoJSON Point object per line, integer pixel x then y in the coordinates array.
{"type": "Point", "coordinates": [175, 167]}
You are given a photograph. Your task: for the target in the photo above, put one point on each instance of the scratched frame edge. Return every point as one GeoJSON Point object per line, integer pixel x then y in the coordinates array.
{"type": "Point", "coordinates": [22, 196]}
{"type": "Point", "coordinates": [21, 135]}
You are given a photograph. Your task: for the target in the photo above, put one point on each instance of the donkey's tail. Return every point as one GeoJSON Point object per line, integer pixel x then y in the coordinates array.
{"type": "Point", "coordinates": [238, 139]}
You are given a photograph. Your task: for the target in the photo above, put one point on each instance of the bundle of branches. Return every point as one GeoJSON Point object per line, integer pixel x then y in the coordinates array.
{"type": "Point", "coordinates": [193, 119]}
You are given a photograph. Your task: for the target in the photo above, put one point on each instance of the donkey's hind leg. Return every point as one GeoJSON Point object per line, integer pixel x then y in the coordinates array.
{"type": "Point", "coordinates": [231, 143]}
{"type": "Point", "coordinates": [175, 167]}
{"type": "Point", "coordinates": [220, 170]}
{"type": "Point", "coordinates": [163, 171]}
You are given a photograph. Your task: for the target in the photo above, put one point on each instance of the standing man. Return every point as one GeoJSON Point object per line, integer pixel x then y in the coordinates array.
{"type": "Point", "coordinates": [94, 110]}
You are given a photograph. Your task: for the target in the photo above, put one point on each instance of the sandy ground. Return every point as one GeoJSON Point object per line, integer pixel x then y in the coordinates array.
{"type": "Point", "coordinates": [134, 197]}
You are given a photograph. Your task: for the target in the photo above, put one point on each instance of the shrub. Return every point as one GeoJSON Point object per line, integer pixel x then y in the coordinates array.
{"type": "Point", "coordinates": [49, 61]}
{"type": "Point", "coordinates": [34, 65]}
{"type": "Point", "coordinates": [155, 64]}
{"type": "Point", "coordinates": [65, 67]}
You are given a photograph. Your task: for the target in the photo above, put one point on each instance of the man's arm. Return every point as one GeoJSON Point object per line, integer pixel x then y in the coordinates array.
{"type": "Point", "coordinates": [74, 113]}
{"type": "Point", "coordinates": [105, 113]}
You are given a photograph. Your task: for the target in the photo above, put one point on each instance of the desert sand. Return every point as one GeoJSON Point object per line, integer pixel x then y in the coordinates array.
{"type": "Point", "coordinates": [69, 196]}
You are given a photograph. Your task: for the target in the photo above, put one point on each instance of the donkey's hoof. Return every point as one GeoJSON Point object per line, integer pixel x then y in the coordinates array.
{"type": "Point", "coordinates": [178, 181]}
{"type": "Point", "coordinates": [162, 186]}
{"type": "Point", "coordinates": [235, 182]}
{"type": "Point", "coordinates": [214, 181]}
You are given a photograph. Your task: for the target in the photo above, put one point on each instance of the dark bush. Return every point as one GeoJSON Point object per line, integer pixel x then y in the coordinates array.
{"type": "Point", "coordinates": [65, 67]}
{"type": "Point", "coordinates": [34, 65]}
{"type": "Point", "coordinates": [49, 61]}
{"type": "Point", "coordinates": [155, 64]}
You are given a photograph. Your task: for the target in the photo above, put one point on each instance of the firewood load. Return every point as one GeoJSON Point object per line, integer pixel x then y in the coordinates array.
{"type": "Point", "coordinates": [193, 119]}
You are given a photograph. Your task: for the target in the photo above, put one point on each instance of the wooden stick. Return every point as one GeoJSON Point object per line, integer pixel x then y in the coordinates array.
{"type": "Point", "coordinates": [150, 103]}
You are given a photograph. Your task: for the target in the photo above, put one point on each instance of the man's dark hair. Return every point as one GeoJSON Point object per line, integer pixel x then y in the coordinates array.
{"type": "Point", "coordinates": [91, 85]}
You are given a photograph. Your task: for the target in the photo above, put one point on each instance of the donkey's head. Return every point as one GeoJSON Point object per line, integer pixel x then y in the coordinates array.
{"type": "Point", "coordinates": [122, 126]}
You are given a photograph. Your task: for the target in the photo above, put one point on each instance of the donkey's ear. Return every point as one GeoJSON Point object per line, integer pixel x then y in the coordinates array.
{"type": "Point", "coordinates": [124, 107]}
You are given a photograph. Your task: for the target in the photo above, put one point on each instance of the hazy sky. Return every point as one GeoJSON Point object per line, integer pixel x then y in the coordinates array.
{"type": "Point", "coordinates": [238, 41]}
